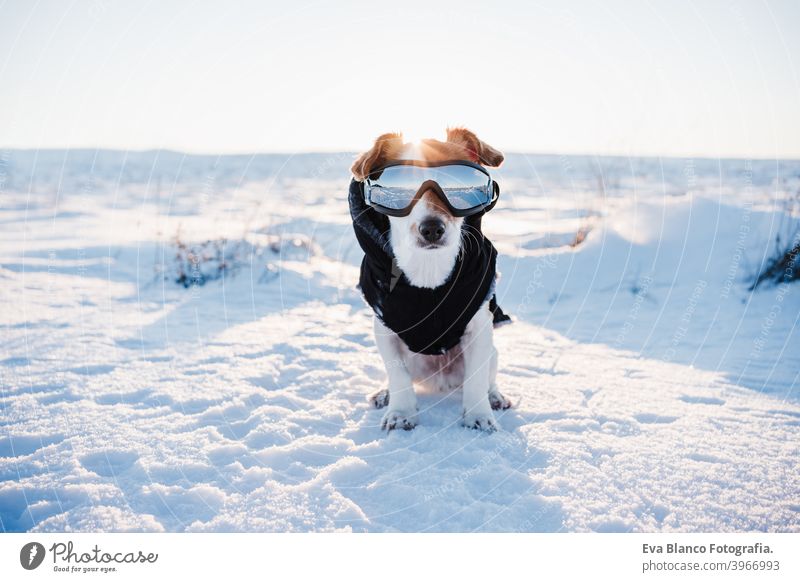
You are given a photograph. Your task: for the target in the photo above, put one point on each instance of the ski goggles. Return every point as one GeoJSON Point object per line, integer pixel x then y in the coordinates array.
{"type": "Point", "coordinates": [464, 187]}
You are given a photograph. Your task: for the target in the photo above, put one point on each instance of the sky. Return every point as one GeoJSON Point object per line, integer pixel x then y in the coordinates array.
{"type": "Point", "coordinates": [672, 78]}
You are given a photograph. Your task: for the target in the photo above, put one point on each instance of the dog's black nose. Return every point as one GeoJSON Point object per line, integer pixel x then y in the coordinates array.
{"type": "Point", "coordinates": [432, 229]}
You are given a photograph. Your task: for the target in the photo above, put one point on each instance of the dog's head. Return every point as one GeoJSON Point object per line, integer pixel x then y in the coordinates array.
{"type": "Point", "coordinates": [427, 241]}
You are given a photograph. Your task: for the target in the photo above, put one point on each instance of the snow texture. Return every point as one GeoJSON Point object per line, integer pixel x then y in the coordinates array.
{"type": "Point", "coordinates": [653, 390]}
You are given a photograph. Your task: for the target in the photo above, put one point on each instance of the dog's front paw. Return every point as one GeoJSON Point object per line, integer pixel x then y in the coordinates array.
{"type": "Point", "coordinates": [480, 421]}
{"type": "Point", "coordinates": [379, 399]}
{"type": "Point", "coordinates": [399, 419]}
{"type": "Point", "coordinates": [499, 402]}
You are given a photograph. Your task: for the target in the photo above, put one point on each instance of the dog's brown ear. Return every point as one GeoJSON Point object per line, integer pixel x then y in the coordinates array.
{"type": "Point", "coordinates": [475, 149]}
{"type": "Point", "coordinates": [386, 147]}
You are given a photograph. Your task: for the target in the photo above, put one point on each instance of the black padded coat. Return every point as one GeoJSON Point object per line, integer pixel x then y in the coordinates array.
{"type": "Point", "coordinates": [429, 321]}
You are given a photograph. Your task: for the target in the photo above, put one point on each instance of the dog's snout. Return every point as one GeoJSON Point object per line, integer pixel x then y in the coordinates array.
{"type": "Point", "coordinates": [432, 229]}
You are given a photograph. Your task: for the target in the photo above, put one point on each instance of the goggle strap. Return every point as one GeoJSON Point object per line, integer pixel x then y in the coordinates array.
{"type": "Point", "coordinates": [495, 198]}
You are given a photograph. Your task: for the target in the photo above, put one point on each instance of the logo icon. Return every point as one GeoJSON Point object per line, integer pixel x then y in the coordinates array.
{"type": "Point", "coordinates": [31, 555]}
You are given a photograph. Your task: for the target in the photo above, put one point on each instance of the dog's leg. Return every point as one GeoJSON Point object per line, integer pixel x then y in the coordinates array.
{"type": "Point", "coordinates": [496, 400]}
{"type": "Point", "coordinates": [380, 398]}
{"type": "Point", "coordinates": [402, 411]}
{"type": "Point", "coordinates": [478, 349]}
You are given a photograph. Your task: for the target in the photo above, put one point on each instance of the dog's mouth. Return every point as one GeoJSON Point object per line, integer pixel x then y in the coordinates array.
{"type": "Point", "coordinates": [423, 244]}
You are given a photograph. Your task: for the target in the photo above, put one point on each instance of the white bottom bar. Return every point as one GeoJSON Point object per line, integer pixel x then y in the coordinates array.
{"type": "Point", "coordinates": [405, 557]}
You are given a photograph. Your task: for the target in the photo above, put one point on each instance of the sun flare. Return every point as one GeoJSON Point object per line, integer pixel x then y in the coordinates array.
{"type": "Point", "coordinates": [415, 133]}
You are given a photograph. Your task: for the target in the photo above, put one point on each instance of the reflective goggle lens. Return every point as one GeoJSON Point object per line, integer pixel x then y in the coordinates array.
{"type": "Point", "coordinates": [395, 187]}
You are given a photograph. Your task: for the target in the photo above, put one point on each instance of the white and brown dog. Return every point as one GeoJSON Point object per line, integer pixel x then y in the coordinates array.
{"type": "Point", "coordinates": [425, 246]}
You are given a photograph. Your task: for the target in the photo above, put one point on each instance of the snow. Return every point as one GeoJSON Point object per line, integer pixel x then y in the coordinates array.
{"type": "Point", "coordinates": [653, 390]}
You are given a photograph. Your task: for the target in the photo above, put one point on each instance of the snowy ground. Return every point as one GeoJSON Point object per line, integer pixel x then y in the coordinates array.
{"type": "Point", "coordinates": [653, 390]}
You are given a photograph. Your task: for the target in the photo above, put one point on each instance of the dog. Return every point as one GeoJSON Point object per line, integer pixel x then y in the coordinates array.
{"type": "Point", "coordinates": [425, 246]}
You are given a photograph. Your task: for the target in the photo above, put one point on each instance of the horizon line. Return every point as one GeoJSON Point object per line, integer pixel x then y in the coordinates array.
{"type": "Point", "coordinates": [5, 149]}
